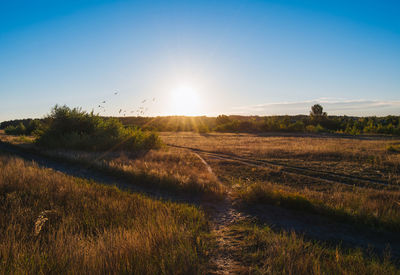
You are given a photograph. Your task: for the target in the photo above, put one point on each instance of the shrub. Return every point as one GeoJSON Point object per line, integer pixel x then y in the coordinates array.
{"type": "Point", "coordinates": [16, 130]}
{"type": "Point", "coordinates": [27, 128]}
{"type": "Point", "coordinates": [77, 129]}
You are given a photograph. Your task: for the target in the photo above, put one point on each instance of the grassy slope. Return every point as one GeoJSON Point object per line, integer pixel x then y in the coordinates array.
{"type": "Point", "coordinates": [268, 252]}
{"type": "Point", "coordinates": [157, 237]}
{"type": "Point", "coordinates": [91, 229]}
{"type": "Point", "coordinates": [373, 208]}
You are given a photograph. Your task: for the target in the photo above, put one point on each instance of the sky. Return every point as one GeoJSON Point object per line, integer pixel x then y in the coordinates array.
{"type": "Point", "coordinates": [199, 57]}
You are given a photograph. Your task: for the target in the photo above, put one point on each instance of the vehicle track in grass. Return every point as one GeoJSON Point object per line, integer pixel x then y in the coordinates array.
{"type": "Point", "coordinates": [326, 176]}
{"type": "Point", "coordinates": [226, 259]}
{"type": "Point", "coordinates": [311, 226]}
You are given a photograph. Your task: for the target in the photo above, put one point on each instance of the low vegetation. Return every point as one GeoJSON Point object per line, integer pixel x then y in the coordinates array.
{"type": "Point", "coordinates": [318, 121]}
{"type": "Point", "coordinates": [168, 169]}
{"type": "Point", "coordinates": [55, 224]}
{"type": "Point", "coordinates": [260, 249]}
{"type": "Point", "coordinates": [77, 129]}
{"type": "Point", "coordinates": [368, 158]}
{"type": "Point", "coordinates": [269, 252]}
{"type": "Point", "coordinates": [31, 127]}
{"type": "Point", "coordinates": [376, 209]}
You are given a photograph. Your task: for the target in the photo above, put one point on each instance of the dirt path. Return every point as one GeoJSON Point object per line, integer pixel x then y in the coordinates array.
{"type": "Point", "coordinates": [313, 227]}
{"type": "Point", "coordinates": [226, 212]}
{"type": "Point", "coordinates": [223, 214]}
{"type": "Point", "coordinates": [327, 176]}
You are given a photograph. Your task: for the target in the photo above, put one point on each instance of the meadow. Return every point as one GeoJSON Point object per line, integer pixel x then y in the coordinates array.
{"type": "Point", "coordinates": [255, 204]}
{"type": "Point", "coordinates": [56, 224]}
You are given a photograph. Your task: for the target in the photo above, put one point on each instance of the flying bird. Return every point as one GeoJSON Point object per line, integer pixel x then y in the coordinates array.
{"type": "Point", "coordinates": [104, 101]}
{"type": "Point", "coordinates": [144, 101]}
{"type": "Point", "coordinates": [115, 93]}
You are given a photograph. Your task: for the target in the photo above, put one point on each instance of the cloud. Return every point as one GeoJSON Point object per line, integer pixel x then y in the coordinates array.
{"type": "Point", "coordinates": [333, 106]}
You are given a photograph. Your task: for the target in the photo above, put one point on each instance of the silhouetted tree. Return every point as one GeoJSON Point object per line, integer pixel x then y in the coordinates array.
{"type": "Point", "coordinates": [317, 111]}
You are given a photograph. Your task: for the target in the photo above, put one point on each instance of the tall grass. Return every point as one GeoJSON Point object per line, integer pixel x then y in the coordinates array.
{"type": "Point", "coordinates": [52, 224]}
{"type": "Point", "coordinates": [268, 252]}
{"type": "Point", "coordinates": [378, 209]}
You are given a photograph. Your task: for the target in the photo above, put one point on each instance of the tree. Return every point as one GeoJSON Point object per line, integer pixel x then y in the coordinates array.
{"type": "Point", "coordinates": [317, 111]}
{"type": "Point", "coordinates": [223, 119]}
{"type": "Point", "coordinates": [317, 115]}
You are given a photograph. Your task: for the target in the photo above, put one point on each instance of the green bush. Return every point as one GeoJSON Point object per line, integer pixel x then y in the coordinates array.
{"type": "Point", "coordinates": [77, 129]}
{"type": "Point", "coordinates": [315, 129]}
{"type": "Point", "coordinates": [16, 130]}
{"type": "Point", "coordinates": [33, 127]}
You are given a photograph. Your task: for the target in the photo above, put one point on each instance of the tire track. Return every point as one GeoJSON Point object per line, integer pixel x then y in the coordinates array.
{"type": "Point", "coordinates": [328, 176]}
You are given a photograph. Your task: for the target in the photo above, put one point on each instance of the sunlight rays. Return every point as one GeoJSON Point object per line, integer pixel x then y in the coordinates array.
{"type": "Point", "coordinates": [185, 100]}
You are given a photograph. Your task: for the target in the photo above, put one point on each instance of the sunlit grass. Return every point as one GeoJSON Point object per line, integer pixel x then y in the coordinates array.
{"type": "Point", "coordinates": [374, 208]}
{"type": "Point", "coordinates": [92, 229]}
{"type": "Point", "coordinates": [269, 252]}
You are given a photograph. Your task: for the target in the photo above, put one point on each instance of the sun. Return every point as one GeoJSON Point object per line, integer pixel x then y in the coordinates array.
{"type": "Point", "coordinates": [185, 101]}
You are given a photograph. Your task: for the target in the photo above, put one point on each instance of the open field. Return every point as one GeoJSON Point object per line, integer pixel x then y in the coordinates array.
{"type": "Point", "coordinates": [365, 157]}
{"type": "Point", "coordinates": [251, 214]}
{"type": "Point", "coordinates": [52, 223]}
{"type": "Point", "coordinates": [305, 172]}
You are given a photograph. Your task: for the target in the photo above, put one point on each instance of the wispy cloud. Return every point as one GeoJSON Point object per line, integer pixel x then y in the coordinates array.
{"type": "Point", "coordinates": [334, 106]}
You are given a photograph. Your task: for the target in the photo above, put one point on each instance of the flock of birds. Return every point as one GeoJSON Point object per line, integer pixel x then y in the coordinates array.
{"type": "Point", "coordinates": [141, 110]}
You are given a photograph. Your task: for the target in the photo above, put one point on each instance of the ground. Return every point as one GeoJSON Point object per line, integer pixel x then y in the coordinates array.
{"type": "Point", "coordinates": [275, 203]}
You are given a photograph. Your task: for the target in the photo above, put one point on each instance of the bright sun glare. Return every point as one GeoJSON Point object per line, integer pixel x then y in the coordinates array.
{"type": "Point", "coordinates": [185, 101]}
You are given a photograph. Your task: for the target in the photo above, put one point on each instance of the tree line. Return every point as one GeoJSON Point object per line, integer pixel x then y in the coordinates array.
{"type": "Point", "coordinates": [316, 122]}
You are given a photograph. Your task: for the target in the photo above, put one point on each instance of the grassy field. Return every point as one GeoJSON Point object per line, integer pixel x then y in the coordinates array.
{"type": "Point", "coordinates": [52, 224]}
{"type": "Point", "coordinates": [104, 229]}
{"type": "Point", "coordinates": [356, 156]}
{"type": "Point", "coordinates": [269, 252]}
{"type": "Point", "coordinates": [373, 205]}
{"type": "Point", "coordinates": [167, 168]}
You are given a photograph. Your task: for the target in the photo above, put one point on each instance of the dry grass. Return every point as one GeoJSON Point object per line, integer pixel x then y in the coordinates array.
{"type": "Point", "coordinates": [378, 206]}
{"type": "Point", "coordinates": [374, 208]}
{"type": "Point", "coordinates": [268, 252]}
{"type": "Point", "coordinates": [360, 157]}
{"type": "Point", "coordinates": [176, 169]}
{"type": "Point", "coordinates": [55, 224]}
{"type": "Point", "coordinates": [169, 168]}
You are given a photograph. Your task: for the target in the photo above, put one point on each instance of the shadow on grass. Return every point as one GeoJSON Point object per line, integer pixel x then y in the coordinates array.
{"type": "Point", "coordinates": [158, 187]}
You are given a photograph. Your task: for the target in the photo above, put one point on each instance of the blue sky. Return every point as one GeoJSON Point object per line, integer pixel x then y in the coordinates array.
{"type": "Point", "coordinates": [240, 57]}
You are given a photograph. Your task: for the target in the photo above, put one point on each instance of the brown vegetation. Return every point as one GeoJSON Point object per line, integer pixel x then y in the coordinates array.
{"type": "Point", "coordinates": [269, 252]}
{"type": "Point", "coordinates": [377, 206]}
{"type": "Point", "coordinates": [350, 156]}
{"type": "Point", "coordinates": [52, 223]}
{"type": "Point", "coordinates": [109, 224]}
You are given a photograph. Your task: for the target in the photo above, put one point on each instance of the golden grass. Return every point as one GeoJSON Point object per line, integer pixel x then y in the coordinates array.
{"type": "Point", "coordinates": [176, 169]}
{"type": "Point", "coordinates": [360, 157]}
{"type": "Point", "coordinates": [376, 208]}
{"type": "Point", "coordinates": [52, 224]}
{"type": "Point", "coordinates": [268, 252]}
{"type": "Point", "coordinates": [170, 168]}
